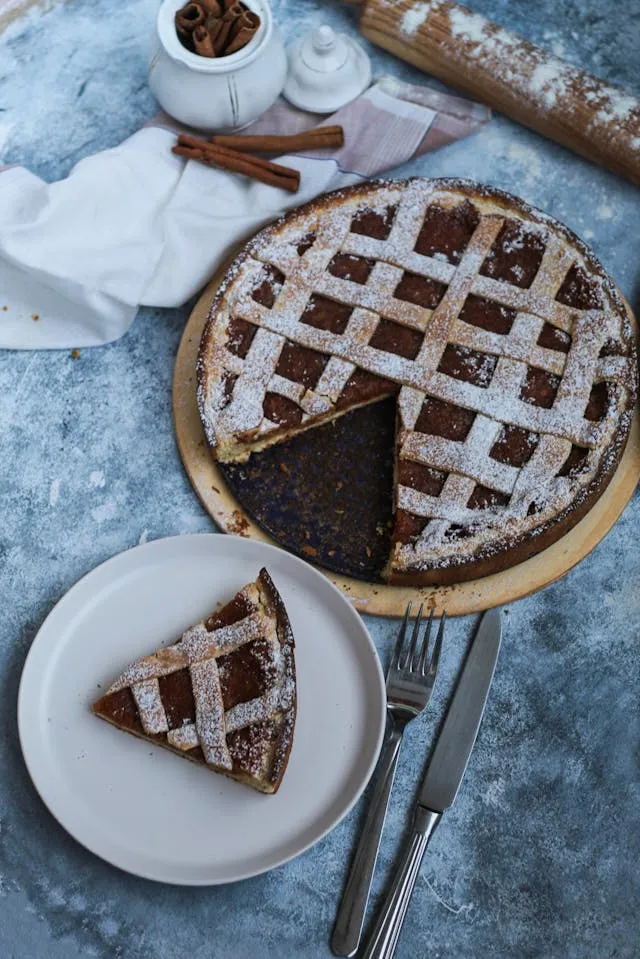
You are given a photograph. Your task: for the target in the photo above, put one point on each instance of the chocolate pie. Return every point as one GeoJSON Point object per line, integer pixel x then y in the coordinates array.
{"type": "Point", "coordinates": [223, 696]}
{"type": "Point", "coordinates": [508, 347]}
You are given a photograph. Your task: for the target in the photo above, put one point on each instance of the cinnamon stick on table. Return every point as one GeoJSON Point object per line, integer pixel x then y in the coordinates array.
{"type": "Point", "coordinates": [273, 174]}
{"type": "Point", "coordinates": [319, 137]}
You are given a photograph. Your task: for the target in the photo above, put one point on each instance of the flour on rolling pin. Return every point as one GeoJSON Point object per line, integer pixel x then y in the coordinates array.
{"type": "Point", "coordinates": [516, 77]}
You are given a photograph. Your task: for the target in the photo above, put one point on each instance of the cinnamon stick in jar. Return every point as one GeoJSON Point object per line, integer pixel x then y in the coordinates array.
{"type": "Point", "coordinates": [243, 31]}
{"type": "Point", "coordinates": [202, 42]}
{"type": "Point", "coordinates": [214, 26]}
{"type": "Point", "coordinates": [226, 23]}
{"type": "Point", "coordinates": [211, 7]}
{"type": "Point", "coordinates": [187, 19]}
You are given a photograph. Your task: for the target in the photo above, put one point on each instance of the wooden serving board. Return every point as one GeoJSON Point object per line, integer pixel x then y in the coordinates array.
{"type": "Point", "coordinates": [374, 597]}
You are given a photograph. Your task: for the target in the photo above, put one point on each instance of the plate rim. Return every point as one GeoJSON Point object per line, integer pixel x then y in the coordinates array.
{"type": "Point", "coordinates": [27, 678]}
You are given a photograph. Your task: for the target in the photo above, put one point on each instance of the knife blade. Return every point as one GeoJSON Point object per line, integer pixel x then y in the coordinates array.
{"type": "Point", "coordinates": [458, 734]}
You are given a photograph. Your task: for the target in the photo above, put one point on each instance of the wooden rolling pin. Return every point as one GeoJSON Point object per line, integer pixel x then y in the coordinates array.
{"type": "Point", "coordinates": [500, 68]}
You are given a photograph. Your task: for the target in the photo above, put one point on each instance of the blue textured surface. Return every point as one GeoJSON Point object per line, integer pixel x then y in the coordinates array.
{"type": "Point", "coordinates": [540, 855]}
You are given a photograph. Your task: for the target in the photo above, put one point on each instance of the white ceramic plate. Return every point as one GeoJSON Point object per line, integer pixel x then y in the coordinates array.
{"type": "Point", "coordinates": [146, 810]}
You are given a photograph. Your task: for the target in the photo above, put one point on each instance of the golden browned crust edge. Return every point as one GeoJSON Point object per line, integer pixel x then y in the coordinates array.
{"type": "Point", "coordinates": [282, 749]}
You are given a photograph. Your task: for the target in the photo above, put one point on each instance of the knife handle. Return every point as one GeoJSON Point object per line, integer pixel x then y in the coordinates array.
{"type": "Point", "coordinates": [388, 927]}
{"type": "Point", "coordinates": [350, 919]}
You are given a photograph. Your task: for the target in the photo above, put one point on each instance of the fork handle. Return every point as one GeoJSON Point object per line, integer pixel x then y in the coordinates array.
{"type": "Point", "coordinates": [388, 927]}
{"type": "Point", "coordinates": [350, 918]}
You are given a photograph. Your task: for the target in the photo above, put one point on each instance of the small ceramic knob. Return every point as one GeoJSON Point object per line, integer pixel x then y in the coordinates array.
{"type": "Point", "coordinates": [326, 70]}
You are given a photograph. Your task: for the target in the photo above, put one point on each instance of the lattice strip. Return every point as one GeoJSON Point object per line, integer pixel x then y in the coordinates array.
{"type": "Point", "coordinates": [401, 258]}
{"type": "Point", "coordinates": [452, 457]}
{"type": "Point", "coordinates": [334, 378]}
{"type": "Point", "coordinates": [442, 510]}
{"type": "Point", "coordinates": [377, 299]}
{"type": "Point", "coordinates": [184, 737]}
{"type": "Point", "coordinates": [245, 412]}
{"type": "Point", "coordinates": [210, 727]}
{"type": "Point", "coordinates": [150, 708]}
{"type": "Point", "coordinates": [409, 404]}
{"type": "Point", "coordinates": [582, 361]}
{"type": "Point", "coordinates": [360, 328]}
{"type": "Point", "coordinates": [498, 344]}
{"type": "Point", "coordinates": [445, 315]}
{"type": "Point", "coordinates": [284, 387]}
{"type": "Point", "coordinates": [536, 475]}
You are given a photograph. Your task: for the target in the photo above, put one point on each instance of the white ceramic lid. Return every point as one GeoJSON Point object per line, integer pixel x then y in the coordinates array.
{"type": "Point", "coordinates": [326, 70]}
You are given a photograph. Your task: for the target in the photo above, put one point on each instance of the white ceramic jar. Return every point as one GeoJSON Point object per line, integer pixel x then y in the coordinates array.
{"type": "Point", "coordinates": [224, 93]}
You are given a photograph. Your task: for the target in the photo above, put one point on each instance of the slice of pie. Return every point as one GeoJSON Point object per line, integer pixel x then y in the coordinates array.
{"type": "Point", "coordinates": [507, 345]}
{"type": "Point", "coordinates": [224, 695]}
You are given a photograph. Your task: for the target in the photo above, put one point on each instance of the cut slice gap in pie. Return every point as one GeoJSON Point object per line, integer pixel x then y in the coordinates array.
{"type": "Point", "coordinates": [224, 695]}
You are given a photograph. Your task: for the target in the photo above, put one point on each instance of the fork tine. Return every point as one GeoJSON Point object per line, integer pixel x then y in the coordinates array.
{"type": "Point", "coordinates": [395, 659]}
{"type": "Point", "coordinates": [435, 655]}
{"type": "Point", "coordinates": [408, 663]}
{"type": "Point", "coordinates": [425, 645]}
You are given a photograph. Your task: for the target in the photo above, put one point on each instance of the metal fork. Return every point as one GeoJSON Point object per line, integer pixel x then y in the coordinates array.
{"type": "Point", "coordinates": [410, 679]}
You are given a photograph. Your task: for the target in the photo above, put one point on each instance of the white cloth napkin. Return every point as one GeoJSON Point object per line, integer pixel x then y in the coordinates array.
{"type": "Point", "coordinates": [137, 225]}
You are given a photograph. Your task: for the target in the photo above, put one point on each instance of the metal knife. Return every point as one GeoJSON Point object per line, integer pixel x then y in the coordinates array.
{"type": "Point", "coordinates": [442, 778]}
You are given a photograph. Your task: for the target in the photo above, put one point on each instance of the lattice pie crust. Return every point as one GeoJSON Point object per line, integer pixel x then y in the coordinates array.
{"type": "Point", "coordinates": [509, 348]}
{"type": "Point", "coordinates": [224, 695]}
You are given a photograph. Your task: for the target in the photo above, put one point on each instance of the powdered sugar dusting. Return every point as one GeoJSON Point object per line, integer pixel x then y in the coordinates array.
{"type": "Point", "coordinates": [267, 719]}
{"type": "Point", "coordinates": [618, 109]}
{"type": "Point", "coordinates": [257, 710]}
{"type": "Point", "coordinates": [414, 17]}
{"type": "Point", "coordinates": [466, 25]}
{"type": "Point", "coordinates": [492, 370]}
{"type": "Point", "coordinates": [150, 708]}
{"type": "Point", "coordinates": [184, 737]}
{"type": "Point", "coordinates": [207, 697]}
{"type": "Point", "coordinates": [549, 81]}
